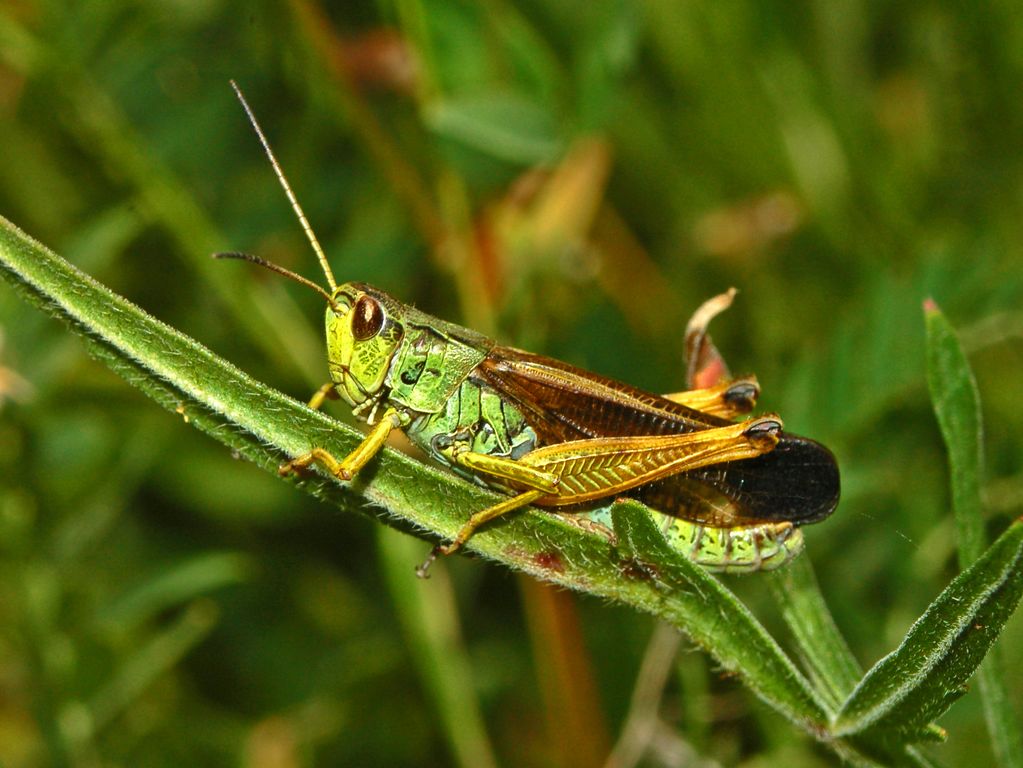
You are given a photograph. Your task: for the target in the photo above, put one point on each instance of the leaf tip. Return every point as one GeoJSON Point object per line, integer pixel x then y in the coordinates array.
{"type": "Point", "coordinates": [931, 306]}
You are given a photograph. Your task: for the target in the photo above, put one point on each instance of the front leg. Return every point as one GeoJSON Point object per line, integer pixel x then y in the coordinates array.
{"type": "Point", "coordinates": [326, 392]}
{"type": "Point", "coordinates": [353, 462]}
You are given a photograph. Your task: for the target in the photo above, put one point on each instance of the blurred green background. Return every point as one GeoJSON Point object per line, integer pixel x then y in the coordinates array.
{"type": "Point", "coordinates": [573, 178]}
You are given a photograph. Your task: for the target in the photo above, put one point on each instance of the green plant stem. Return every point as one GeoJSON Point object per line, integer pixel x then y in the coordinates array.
{"type": "Point", "coordinates": [430, 620]}
{"type": "Point", "coordinates": [824, 651]}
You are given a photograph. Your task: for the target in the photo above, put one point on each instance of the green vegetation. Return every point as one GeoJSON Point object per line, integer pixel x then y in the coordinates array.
{"type": "Point", "coordinates": [573, 179]}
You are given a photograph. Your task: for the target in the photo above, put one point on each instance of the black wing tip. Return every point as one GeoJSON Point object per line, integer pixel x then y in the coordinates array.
{"type": "Point", "coordinates": [813, 475]}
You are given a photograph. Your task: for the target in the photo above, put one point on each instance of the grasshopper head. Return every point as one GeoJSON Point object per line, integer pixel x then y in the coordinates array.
{"type": "Point", "coordinates": [362, 332]}
{"type": "Point", "coordinates": [362, 338]}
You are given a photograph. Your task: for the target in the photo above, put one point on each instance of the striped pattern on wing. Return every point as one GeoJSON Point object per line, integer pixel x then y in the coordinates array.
{"type": "Point", "coordinates": [797, 482]}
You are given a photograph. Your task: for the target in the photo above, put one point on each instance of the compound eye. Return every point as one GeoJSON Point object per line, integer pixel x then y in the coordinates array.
{"type": "Point", "coordinates": [367, 318]}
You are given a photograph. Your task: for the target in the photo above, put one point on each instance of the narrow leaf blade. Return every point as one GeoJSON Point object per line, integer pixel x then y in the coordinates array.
{"type": "Point", "coordinates": [916, 683]}
{"type": "Point", "coordinates": [957, 408]}
{"type": "Point", "coordinates": [714, 618]}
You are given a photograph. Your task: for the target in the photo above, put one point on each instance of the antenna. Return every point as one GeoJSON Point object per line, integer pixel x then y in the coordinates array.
{"type": "Point", "coordinates": [310, 235]}
{"type": "Point", "coordinates": [279, 270]}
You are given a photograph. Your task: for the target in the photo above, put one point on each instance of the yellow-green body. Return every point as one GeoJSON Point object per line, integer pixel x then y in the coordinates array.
{"type": "Point", "coordinates": [448, 389]}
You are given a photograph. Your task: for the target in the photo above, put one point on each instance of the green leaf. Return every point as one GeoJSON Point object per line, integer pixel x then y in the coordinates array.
{"type": "Point", "coordinates": [957, 407]}
{"type": "Point", "coordinates": [265, 427]}
{"type": "Point", "coordinates": [181, 583]}
{"type": "Point", "coordinates": [916, 683]}
{"type": "Point", "coordinates": [714, 617]}
{"type": "Point", "coordinates": [143, 667]}
{"type": "Point", "coordinates": [504, 126]}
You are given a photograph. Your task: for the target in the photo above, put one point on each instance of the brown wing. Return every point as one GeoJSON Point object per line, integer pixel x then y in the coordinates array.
{"type": "Point", "coordinates": [564, 403]}
{"type": "Point", "coordinates": [797, 482]}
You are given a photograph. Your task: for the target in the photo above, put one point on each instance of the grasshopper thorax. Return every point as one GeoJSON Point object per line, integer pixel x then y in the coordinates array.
{"type": "Point", "coordinates": [362, 338]}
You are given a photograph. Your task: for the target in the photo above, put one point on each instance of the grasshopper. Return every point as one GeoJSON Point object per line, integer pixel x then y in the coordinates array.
{"type": "Point", "coordinates": [730, 496]}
